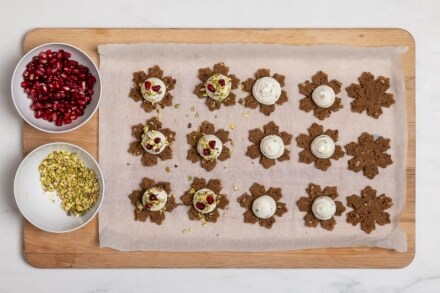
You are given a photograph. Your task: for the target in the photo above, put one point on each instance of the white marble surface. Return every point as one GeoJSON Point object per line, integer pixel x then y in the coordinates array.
{"type": "Point", "coordinates": [421, 18]}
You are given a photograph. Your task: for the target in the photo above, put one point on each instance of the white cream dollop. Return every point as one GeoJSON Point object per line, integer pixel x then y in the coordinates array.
{"type": "Point", "coordinates": [205, 144]}
{"type": "Point", "coordinates": [323, 147]}
{"type": "Point", "coordinates": [272, 146]}
{"type": "Point", "coordinates": [201, 196]}
{"type": "Point", "coordinates": [218, 87]}
{"type": "Point", "coordinates": [323, 96]}
{"type": "Point", "coordinates": [324, 208]}
{"type": "Point", "coordinates": [158, 203]}
{"type": "Point", "coordinates": [156, 90]}
{"type": "Point", "coordinates": [266, 90]}
{"type": "Point", "coordinates": [154, 142]}
{"type": "Point", "coordinates": [264, 207]}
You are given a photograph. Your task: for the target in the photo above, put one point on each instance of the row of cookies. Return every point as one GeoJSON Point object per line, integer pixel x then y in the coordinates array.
{"type": "Point", "coordinates": [207, 145]}
{"type": "Point", "coordinates": [265, 91]}
{"type": "Point", "coordinates": [205, 198]}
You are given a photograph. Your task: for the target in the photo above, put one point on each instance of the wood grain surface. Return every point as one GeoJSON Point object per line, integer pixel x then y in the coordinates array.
{"type": "Point", "coordinates": [81, 248]}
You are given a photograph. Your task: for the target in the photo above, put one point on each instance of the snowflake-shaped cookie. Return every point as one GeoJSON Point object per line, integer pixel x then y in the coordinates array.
{"type": "Point", "coordinates": [368, 209]}
{"type": "Point", "coordinates": [368, 154]}
{"type": "Point", "coordinates": [370, 95]}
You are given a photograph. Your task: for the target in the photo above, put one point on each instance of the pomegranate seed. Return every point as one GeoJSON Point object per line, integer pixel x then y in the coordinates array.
{"type": "Point", "coordinates": [147, 85]}
{"type": "Point", "coordinates": [153, 197]}
{"type": "Point", "coordinates": [68, 120]}
{"type": "Point", "coordinates": [149, 146]}
{"type": "Point", "coordinates": [222, 82]}
{"type": "Point", "coordinates": [58, 122]}
{"type": "Point", "coordinates": [210, 199]}
{"type": "Point", "coordinates": [157, 140]}
{"type": "Point", "coordinates": [212, 144]}
{"type": "Point", "coordinates": [211, 88]}
{"type": "Point", "coordinates": [200, 205]}
{"type": "Point", "coordinates": [156, 88]}
{"type": "Point", "coordinates": [148, 206]}
{"type": "Point", "coordinates": [38, 114]}
{"type": "Point", "coordinates": [206, 152]}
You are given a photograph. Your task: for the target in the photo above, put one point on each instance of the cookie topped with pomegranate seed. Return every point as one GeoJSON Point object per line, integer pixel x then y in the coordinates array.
{"type": "Point", "coordinates": [152, 89]}
{"type": "Point", "coordinates": [208, 146]}
{"type": "Point", "coordinates": [204, 200]}
{"type": "Point", "coordinates": [152, 200]}
{"type": "Point", "coordinates": [152, 142]}
{"type": "Point", "coordinates": [216, 86]}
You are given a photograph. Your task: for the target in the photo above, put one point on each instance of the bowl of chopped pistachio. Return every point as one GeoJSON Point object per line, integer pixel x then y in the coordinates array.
{"type": "Point", "coordinates": [59, 187]}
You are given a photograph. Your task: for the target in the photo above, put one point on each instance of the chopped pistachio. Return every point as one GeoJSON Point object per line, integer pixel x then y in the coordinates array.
{"type": "Point", "coordinates": [76, 185]}
{"type": "Point", "coordinates": [167, 169]}
{"type": "Point", "coordinates": [190, 178]}
{"type": "Point", "coordinates": [177, 106]}
{"type": "Point", "coordinates": [192, 190]}
{"type": "Point", "coordinates": [235, 187]}
{"type": "Point", "coordinates": [232, 126]}
{"type": "Point", "coordinates": [192, 108]}
{"type": "Point", "coordinates": [196, 115]}
{"type": "Point", "coordinates": [246, 114]}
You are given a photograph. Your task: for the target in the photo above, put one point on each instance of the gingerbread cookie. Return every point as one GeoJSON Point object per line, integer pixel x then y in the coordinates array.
{"type": "Point", "coordinates": [152, 142]}
{"type": "Point", "coordinates": [269, 145]}
{"type": "Point", "coordinates": [319, 147]}
{"type": "Point", "coordinates": [152, 200]}
{"type": "Point", "coordinates": [320, 96]}
{"type": "Point", "coordinates": [264, 91]}
{"type": "Point", "coordinates": [216, 86]}
{"type": "Point", "coordinates": [205, 200]}
{"type": "Point", "coordinates": [370, 95]}
{"type": "Point", "coordinates": [152, 89]}
{"type": "Point", "coordinates": [320, 206]}
{"type": "Point", "coordinates": [262, 206]}
{"type": "Point", "coordinates": [208, 145]}
{"type": "Point", "coordinates": [369, 209]}
{"type": "Point", "coordinates": [368, 154]}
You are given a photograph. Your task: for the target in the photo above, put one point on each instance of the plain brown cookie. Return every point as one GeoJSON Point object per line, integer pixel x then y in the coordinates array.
{"type": "Point", "coordinates": [370, 95]}
{"type": "Point", "coordinates": [369, 209]}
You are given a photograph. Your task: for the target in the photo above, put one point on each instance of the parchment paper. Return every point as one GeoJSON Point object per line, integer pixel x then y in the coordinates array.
{"type": "Point", "coordinates": [123, 172]}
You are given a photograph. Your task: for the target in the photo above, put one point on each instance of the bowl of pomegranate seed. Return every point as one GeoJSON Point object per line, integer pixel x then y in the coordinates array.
{"type": "Point", "coordinates": [56, 87]}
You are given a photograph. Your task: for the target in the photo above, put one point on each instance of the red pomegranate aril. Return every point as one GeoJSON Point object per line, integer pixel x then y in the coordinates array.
{"type": "Point", "coordinates": [73, 116]}
{"type": "Point", "coordinates": [67, 120]}
{"type": "Point", "coordinates": [25, 84]}
{"type": "Point", "coordinates": [212, 144]}
{"type": "Point", "coordinates": [148, 206]}
{"type": "Point", "coordinates": [147, 85]}
{"type": "Point", "coordinates": [157, 140]}
{"type": "Point", "coordinates": [210, 199]}
{"type": "Point", "coordinates": [67, 54]}
{"type": "Point", "coordinates": [200, 205]}
{"type": "Point", "coordinates": [153, 197]}
{"type": "Point", "coordinates": [58, 122]}
{"type": "Point", "coordinates": [38, 114]}
{"type": "Point", "coordinates": [206, 152]}
{"type": "Point", "coordinates": [222, 82]}
{"type": "Point", "coordinates": [149, 146]}
{"type": "Point", "coordinates": [211, 88]}
{"type": "Point", "coordinates": [156, 88]}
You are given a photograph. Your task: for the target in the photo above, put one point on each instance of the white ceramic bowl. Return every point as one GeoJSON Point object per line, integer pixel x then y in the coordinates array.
{"type": "Point", "coordinates": [22, 102]}
{"type": "Point", "coordinates": [39, 207]}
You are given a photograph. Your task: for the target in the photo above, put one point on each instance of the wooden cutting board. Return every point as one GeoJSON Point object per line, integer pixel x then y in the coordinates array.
{"type": "Point", "coordinates": [81, 248]}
